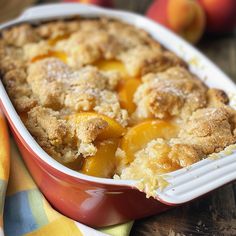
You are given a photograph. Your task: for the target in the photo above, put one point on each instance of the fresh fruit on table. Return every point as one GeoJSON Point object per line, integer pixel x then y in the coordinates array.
{"type": "Point", "coordinates": [185, 17]}
{"type": "Point", "coordinates": [221, 15]}
{"type": "Point", "coordinates": [113, 130]}
{"type": "Point", "coordinates": [103, 163]}
{"type": "Point", "coordinates": [102, 3]}
{"type": "Point", "coordinates": [138, 136]}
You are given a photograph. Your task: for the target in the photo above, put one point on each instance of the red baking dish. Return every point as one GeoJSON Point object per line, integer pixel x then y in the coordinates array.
{"type": "Point", "coordinates": [98, 201]}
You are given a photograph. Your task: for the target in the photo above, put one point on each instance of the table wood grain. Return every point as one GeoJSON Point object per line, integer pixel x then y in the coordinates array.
{"type": "Point", "coordinates": [214, 214]}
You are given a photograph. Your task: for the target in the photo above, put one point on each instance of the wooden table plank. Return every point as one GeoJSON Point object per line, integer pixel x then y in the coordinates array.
{"type": "Point", "coordinates": [222, 51]}
{"type": "Point", "coordinates": [214, 214]}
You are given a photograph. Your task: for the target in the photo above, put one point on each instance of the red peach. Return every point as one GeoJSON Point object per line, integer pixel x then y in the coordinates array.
{"type": "Point", "coordinates": [158, 12]}
{"type": "Point", "coordinates": [185, 17]}
{"type": "Point", "coordinates": [221, 15]}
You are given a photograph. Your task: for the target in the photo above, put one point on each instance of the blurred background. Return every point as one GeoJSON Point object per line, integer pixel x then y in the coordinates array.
{"type": "Point", "coordinates": [210, 25]}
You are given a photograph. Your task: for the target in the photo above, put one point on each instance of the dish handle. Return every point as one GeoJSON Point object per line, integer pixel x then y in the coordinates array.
{"type": "Point", "coordinates": [201, 178]}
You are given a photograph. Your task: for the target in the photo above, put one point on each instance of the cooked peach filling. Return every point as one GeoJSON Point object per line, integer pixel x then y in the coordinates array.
{"type": "Point", "coordinates": [53, 41]}
{"type": "Point", "coordinates": [60, 55]}
{"type": "Point", "coordinates": [126, 91]}
{"type": "Point", "coordinates": [103, 163]}
{"type": "Point", "coordinates": [130, 139]}
{"type": "Point", "coordinates": [112, 65]}
{"type": "Point", "coordinates": [127, 86]}
{"type": "Point", "coordinates": [138, 136]}
{"type": "Point", "coordinates": [119, 149]}
{"type": "Point", "coordinates": [105, 103]}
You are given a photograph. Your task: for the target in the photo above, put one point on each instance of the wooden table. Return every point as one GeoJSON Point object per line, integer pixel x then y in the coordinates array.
{"type": "Point", "coordinates": [214, 214]}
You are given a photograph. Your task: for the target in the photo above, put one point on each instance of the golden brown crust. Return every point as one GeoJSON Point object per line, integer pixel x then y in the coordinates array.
{"type": "Point", "coordinates": [18, 89]}
{"type": "Point", "coordinates": [20, 35]}
{"type": "Point", "coordinates": [209, 130]}
{"type": "Point", "coordinates": [11, 58]}
{"type": "Point", "coordinates": [56, 29]}
{"type": "Point", "coordinates": [88, 130]}
{"type": "Point", "coordinates": [46, 123]}
{"type": "Point", "coordinates": [49, 72]}
{"type": "Point", "coordinates": [174, 92]}
{"type": "Point", "coordinates": [217, 97]}
{"type": "Point", "coordinates": [184, 155]}
{"type": "Point", "coordinates": [161, 63]}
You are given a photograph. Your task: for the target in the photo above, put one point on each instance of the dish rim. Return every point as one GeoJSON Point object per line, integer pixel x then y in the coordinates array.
{"type": "Point", "coordinates": [64, 10]}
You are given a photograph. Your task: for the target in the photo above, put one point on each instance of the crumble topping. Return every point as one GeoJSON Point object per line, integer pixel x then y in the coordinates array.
{"type": "Point", "coordinates": [33, 50]}
{"type": "Point", "coordinates": [56, 85]}
{"type": "Point", "coordinates": [174, 92]}
{"type": "Point", "coordinates": [217, 97]}
{"type": "Point", "coordinates": [51, 72]}
{"type": "Point", "coordinates": [209, 130]}
{"type": "Point", "coordinates": [87, 149]}
{"type": "Point", "coordinates": [52, 133]}
{"type": "Point", "coordinates": [20, 35]}
{"type": "Point", "coordinates": [88, 130]}
{"type": "Point", "coordinates": [120, 153]}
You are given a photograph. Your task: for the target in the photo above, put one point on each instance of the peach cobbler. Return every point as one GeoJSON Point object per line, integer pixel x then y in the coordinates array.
{"type": "Point", "coordinates": [105, 99]}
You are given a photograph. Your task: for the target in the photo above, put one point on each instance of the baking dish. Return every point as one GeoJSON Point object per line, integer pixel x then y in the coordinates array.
{"type": "Point", "coordinates": [98, 201]}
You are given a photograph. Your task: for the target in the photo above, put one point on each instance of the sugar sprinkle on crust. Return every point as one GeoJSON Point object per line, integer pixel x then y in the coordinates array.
{"type": "Point", "coordinates": [174, 92]}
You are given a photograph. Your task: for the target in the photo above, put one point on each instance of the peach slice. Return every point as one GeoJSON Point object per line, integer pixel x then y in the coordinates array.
{"type": "Point", "coordinates": [111, 65]}
{"type": "Point", "coordinates": [186, 18]}
{"type": "Point", "coordinates": [126, 92]}
{"type": "Point", "coordinates": [127, 86]}
{"type": "Point", "coordinates": [53, 41]}
{"type": "Point", "coordinates": [58, 54]}
{"type": "Point", "coordinates": [139, 135]}
{"type": "Point", "coordinates": [103, 163]}
{"type": "Point", "coordinates": [113, 130]}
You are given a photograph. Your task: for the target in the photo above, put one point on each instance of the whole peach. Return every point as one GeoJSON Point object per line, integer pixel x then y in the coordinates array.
{"type": "Point", "coordinates": [221, 15]}
{"type": "Point", "coordinates": [185, 17]}
{"type": "Point", "coordinates": [157, 11]}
